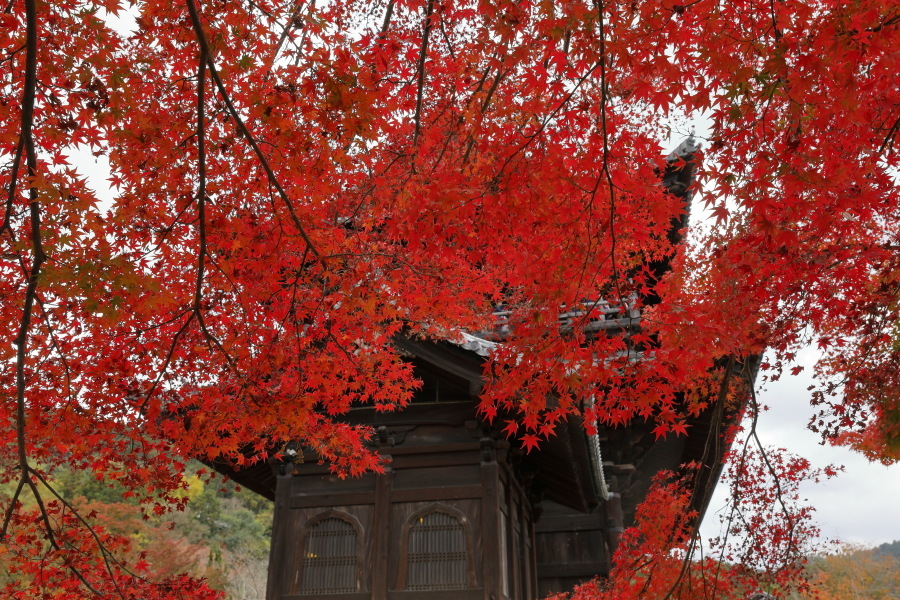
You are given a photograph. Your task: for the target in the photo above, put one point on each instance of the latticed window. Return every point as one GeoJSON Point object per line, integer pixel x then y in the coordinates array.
{"type": "Point", "coordinates": [436, 556]}
{"type": "Point", "coordinates": [329, 564]}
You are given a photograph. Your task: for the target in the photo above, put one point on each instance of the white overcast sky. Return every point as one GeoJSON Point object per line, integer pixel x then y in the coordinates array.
{"type": "Point", "coordinates": [860, 505]}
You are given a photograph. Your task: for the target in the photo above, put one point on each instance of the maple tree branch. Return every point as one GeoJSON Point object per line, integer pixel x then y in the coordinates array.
{"type": "Point", "coordinates": [165, 366]}
{"type": "Point", "coordinates": [212, 339]}
{"type": "Point", "coordinates": [12, 54]}
{"type": "Point", "coordinates": [735, 511]}
{"type": "Point", "coordinates": [490, 94]}
{"type": "Point", "coordinates": [604, 103]}
{"type": "Point", "coordinates": [423, 54]}
{"type": "Point", "coordinates": [168, 229]}
{"type": "Point", "coordinates": [446, 37]}
{"type": "Point", "coordinates": [11, 509]}
{"type": "Point", "coordinates": [893, 20]}
{"type": "Point", "coordinates": [108, 557]}
{"type": "Point", "coordinates": [887, 23]}
{"type": "Point", "coordinates": [54, 343]}
{"type": "Point", "coordinates": [774, 20]}
{"type": "Point", "coordinates": [387, 19]}
{"type": "Point", "coordinates": [549, 118]}
{"type": "Point", "coordinates": [470, 142]}
{"type": "Point", "coordinates": [27, 143]}
{"type": "Point", "coordinates": [260, 9]}
{"type": "Point", "coordinates": [291, 22]}
{"type": "Point", "coordinates": [201, 204]}
{"type": "Point", "coordinates": [201, 177]}
{"type": "Point", "coordinates": [13, 182]}
{"type": "Point", "coordinates": [51, 536]}
{"type": "Point", "coordinates": [779, 493]}
{"type": "Point", "coordinates": [888, 143]}
{"type": "Point", "coordinates": [711, 447]}
{"type": "Point", "coordinates": [245, 132]}
{"type": "Point", "coordinates": [732, 514]}
{"type": "Point", "coordinates": [444, 148]}
{"type": "Point", "coordinates": [137, 331]}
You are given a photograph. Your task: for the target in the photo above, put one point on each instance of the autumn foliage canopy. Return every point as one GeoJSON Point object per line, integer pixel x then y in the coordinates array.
{"type": "Point", "coordinates": [292, 184]}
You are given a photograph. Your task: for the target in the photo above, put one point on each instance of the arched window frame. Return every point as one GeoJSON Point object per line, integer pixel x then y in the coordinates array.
{"type": "Point", "coordinates": [403, 575]}
{"type": "Point", "coordinates": [358, 583]}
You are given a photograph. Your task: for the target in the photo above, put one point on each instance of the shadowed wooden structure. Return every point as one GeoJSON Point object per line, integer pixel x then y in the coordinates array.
{"type": "Point", "coordinates": [461, 513]}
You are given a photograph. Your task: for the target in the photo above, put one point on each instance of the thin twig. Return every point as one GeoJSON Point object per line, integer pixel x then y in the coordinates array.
{"type": "Point", "coordinates": [201, 178]}
{"type": "Point", "coordinates": [549, 118]}
{"type": "Point", "coordinates": [201, 206]}
{"type": "Point", "coordinates": [51, 536]}
{"type": "Point", "coordinates": [291, 22]}
{"type": "Point", "coordinates": [245, 132]}
{"type": "Point", "coordinates": [423, 54]}
{"type": "Point", "coordinates": [888, 142]}
{"type": "Point", "coordinates": [604, 103]}
{"type": "Point", "coordinates": [11, 195]}
{"type": "Point", "coordinates": [27, 143]}
{"type": "Point", "coordinates": [387, 19]}
{"type": "Point", "coordinates": [11, 509]}
{"type": "Point", "coordinates": [165, 365]}
{"type": "Point", "coordinates": [108, 557]}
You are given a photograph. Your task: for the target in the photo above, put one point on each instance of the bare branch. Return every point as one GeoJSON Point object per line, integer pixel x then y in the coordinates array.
{"type": "Point", "coordinates": [10, 511]}
{"type": "Point", "coordinates": [604, 104]}
{"type": "Point", "coordinates": [291, 22]}
{"type": "Point", "coordinates": [888, 143]}
{"type": "Point", "coordinates": [387, 18]}
{"type": "Point", "coordinates": [27, 143]}
{"type": "Point", "coordinates": [423, 54]}
{"type": "Point", "coordinates": [166, 362]}
{"type": "Point", "coordinates": [245, 132]}
{"type": "Point", "coordinates": [201, 177]}
{"type": "Point", "coordinates": [51, 536]}
{"type": "Point", "coordinates": [11, 195]}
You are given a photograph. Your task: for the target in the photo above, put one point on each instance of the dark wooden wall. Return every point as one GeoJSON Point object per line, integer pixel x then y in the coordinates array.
{"type": "Point", "coordinates": [571, 548]}
{"type": "Point", "coordinates": [472, 481]}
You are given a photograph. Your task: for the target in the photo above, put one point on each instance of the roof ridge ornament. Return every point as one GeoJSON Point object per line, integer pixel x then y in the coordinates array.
{"type": "Point", "coordinates": [687, 147]}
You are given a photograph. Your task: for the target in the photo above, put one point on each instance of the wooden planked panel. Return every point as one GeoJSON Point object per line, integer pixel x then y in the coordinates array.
{"type": "Point", "coordinates": [328, 500]}
{"type": "Point", "coordinates": [444, 476]}
{"type": "Point", "coordinates": [421, 459]}
{"type": "Point", "coordinates": [470, 594]}
{"type": "Point", "coordinates": [490, 530]}
{"type": "Point", "coordinates": [353, 596]}
{"type": "Point", "coordinates": [438, 493]}
{"type": "Point", "coordinates": [585, 571]}
{"type": "Point", "coordinates": [310, 484]}
{"type": "Point", "coordinates": [566, 547]}
{"type": "Point", "coordinates": [280, 539]}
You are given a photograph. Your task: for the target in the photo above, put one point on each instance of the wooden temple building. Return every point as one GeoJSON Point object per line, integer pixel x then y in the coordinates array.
{"type": "Point", "coordinates": [461, 513]}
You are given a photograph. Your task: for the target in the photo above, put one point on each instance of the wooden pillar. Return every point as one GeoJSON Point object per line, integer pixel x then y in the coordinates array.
{"type": "Point", "coordinates": [491, 561]}
{"type": "Point", "coordinates": [381, 534]}
{"type": "Point", "coordinates": [532, 558]}
{"type": "Point", "coordinates": [281, 517]}
{"type": "Point", "coordinates": [615, 522]}
{"type": "Point", "coordinates": [513, 539]}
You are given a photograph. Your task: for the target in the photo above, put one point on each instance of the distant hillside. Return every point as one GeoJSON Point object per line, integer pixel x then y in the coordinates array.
{"type": "Point", "coordinates": [857, 573]}
{"type": "Point", "coordinates": [222, 534]}
{"type": "Point", "coordinates": [889, 549]}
